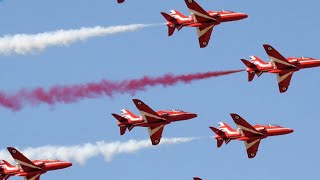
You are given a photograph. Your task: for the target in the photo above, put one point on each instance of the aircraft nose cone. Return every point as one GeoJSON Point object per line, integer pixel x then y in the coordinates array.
{"type": "Point", "coordinates": [67, 164]}
{"type": "Point", "coordinates": [288, 130]}
{"type": "Point", "coordinates": [242, 16]}
{"type": "Point", "coordinates": [192, 115]}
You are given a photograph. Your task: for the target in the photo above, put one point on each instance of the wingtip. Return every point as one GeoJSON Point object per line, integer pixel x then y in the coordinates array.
{"type": "Point", "coordinates": [137, 102]}
{"type": "Point", "coordinates": [267, 47]}
{"type": "Point", "coordinates": [283, 89]}
{"type": "Point", "coordinates": [121, 1]}
{"type": "Point", "coordinates": [156, 142]}
{"type": "Point", "coordinates": [12, 150]}
{"type": "Point", "coordinates": [235, 116]}
{"type": "Point", "coordinates": [203, 44]}
{"type": "Point", "coordinates": [196, 178]}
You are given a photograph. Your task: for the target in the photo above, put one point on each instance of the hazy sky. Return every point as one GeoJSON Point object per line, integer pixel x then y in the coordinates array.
{"type": "Point", "coordinates": [290, 26]}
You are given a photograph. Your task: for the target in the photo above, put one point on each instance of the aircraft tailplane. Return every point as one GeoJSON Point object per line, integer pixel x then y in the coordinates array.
{"type": "Point", "coordinates": [249, 65]}
{"type": "Point", "coordinates": [171, 23]}
{"type": "Point", "coordinates": [217, 131]}
{"type": "Point", "coordinates": [7, 164]}
{"type": "Point", "coordinates": [120, 118]}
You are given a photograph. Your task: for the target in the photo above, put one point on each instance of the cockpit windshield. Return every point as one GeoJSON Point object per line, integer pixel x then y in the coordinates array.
{"type": "Point", "coordinates": [271, 125]}
{"type": "Point", "coordinates": [304, 57]}
{"type": "Point", "coordinates": [227, 11]}
{"type": "Point", "coordinates": [177, 110]}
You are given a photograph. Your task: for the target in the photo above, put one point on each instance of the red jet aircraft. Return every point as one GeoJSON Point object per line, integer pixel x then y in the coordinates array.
{"type": "Point", "coordinates": [204, 21]}
{"type": "Point", "coordinates": [121, 1]}
{"type": "Point", "coordinates": [196, 178]}
{"type": "Point", "coordinates": [31, 170]}
{"type": "Point", "coordinates": [251, 135]}
{"type": "Point", "coordinates": [154, 121]}
{"type": "Point", "coordinates": [279, 65]}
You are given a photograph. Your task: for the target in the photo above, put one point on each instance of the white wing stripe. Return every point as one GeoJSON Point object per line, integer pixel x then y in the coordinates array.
{"type": "Point", "coordinates": [201, 15]}
{"type": "Point", "coordinates": [202, 32]}
{"type": "Point", "coordinates": [282, 78]}
{"type": "Point", "coordinates": [26, 164]}
{"type": "Point", "coordinates": [153, 131]}
{"type": "Point", "coordinates": [249, 145]}
{"type": "Point", "coordinates": [249, 130]}
{"type": "Point", "coordinates": [281, 62]}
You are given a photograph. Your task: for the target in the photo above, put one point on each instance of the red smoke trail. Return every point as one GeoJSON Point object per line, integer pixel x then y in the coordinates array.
{"type": "Point", "coordinates": [74, 93]}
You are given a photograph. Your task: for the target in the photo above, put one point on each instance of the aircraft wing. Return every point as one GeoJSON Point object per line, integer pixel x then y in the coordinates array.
{"type": "Point", "coordinates": [198, 13]}
{"type": "Point", "coordinates": [204, 34]}
{"type": "Point", "coordinates": [155, 134]}
{"type": "Point", "coordinates": [279, 61]}
{"type": "Point", "coordinates": [244, 126]}
{"type": "Point", "coordinates": [146, 112]}
{"type": "Point", "coordinates": [252, 147]}
{"type": "Point", "coordinates": [33, 177]}
{"type": "Point", "coordinates": [284, 79]}
{"type": "Point", "coordinates": [25, 164]}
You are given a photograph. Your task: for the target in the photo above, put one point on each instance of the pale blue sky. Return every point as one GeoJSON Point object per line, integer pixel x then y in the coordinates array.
{"type": "Point", "coordinates": [292, 27]}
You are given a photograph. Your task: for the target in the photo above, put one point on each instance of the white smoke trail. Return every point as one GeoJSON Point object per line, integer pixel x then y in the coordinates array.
{"type": "Point", "coordinates": [81, 153]}
{"type": "Point", "coordinates": [30, 43]}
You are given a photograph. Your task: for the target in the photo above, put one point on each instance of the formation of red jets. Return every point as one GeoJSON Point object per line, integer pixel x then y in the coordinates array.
{"type": "Point", "coordinates": [251, 135]}
{"type": "Point", "coordinates": [155, 121]}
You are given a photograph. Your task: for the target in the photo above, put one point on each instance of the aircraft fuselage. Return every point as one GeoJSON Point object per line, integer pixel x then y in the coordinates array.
{"type": "Point", "coordinates": [168, 117]}
{"type": "Point", "coordinates": [265, 130]}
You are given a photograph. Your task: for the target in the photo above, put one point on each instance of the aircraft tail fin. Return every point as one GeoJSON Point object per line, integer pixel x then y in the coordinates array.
{"type": "Point", "coordinates": [171, 23]}
{"type": "Point", "coordinates": [226, 128]}
{"type": "Point", "coordinates": [250, 76]}
{"type": "Point", "coordinates": [176, 14]}
{"type": "Point", "coordinates": [257, 59]}
{"type": "Point", "coordinates": [171, 30]}
{"type": "Point", "coordinates": [128, 115]}
{"type": "Point", "coordinates": [123, 130]}
{"type": "Point", "coordinates": [219, 142]}
{"type": "Point", "coordinates": [250, 65]}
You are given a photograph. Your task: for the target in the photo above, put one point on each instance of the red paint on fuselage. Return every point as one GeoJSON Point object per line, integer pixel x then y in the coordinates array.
{"type": "Point", "coordinates": [219, 17]}
{"type": "Point", "coordinates": [265, 130]}
{"type": "Point", "coordinates": [168, 116]}
{"type": "Point", "coordinates": [300, 63]}
{"type": "Point", "coordinates": [45, 165]}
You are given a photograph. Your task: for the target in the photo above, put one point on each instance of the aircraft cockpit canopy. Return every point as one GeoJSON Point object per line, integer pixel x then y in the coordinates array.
{"type": "Point", "coordinates": [303, 57]}
{"type": "Point", "coordinates": [177, 110]}
{"type": "Point", "coordinates": [271, 125]}
{"type": "Point", "coordinates": [227, 11]}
